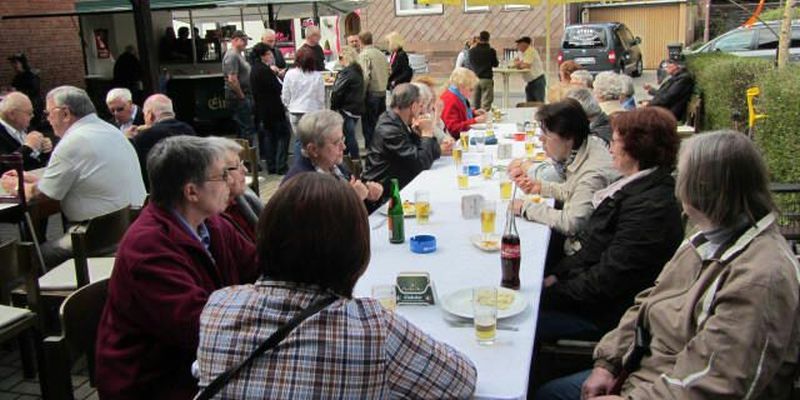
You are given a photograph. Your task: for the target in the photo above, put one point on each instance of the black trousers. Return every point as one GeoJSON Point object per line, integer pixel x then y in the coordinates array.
{"type": "Point", "coordinates": [534, 90]}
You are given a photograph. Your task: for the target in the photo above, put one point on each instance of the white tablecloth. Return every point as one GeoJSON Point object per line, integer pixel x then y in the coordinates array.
{"type": "Point", "coordinates": [503, 367]}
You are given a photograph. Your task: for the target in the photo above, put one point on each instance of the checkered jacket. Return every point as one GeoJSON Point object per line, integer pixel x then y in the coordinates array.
{"type": "Point", "coordinates": [353, 349]}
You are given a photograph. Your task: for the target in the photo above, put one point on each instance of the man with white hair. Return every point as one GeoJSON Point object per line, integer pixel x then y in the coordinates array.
{"type": "Point", "coordinates": [313, 37]}
{"type": "Point", "coordinates": [269, 38]}
{"type": "Point", "coordinates": [161, 123]}
{"type": "Point", "coordinates": [16, 111]}
{"type": "Point", "coordinates": [608, 89]}
{"type": "Point", "coordinates": [125, 114]}
{"type": "Point", "coordinates": [92, 172]}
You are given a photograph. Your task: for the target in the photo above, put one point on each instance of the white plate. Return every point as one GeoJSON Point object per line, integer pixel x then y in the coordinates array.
{"type": "Point", "coordinates": [460, 303]}
{"type": "Point", "coordinates": [407, 212]}
{"type": "Point", "coordinates": [480, 126]}
{"type": "Point", "coordinates": [478, 241]}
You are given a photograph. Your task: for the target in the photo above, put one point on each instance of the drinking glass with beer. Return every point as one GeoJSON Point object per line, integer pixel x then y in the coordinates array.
{"type": "Point", "coordinates": [386, 295]}
{"type": "Point", "coordinates": [505, 188]}
{"type": "Point", "coordinates": [487, 169]}
{"type": "Point", "coordinates": [422, 206]}
{"type": "Point", "coordinates": [488, 215]}
{"type": "Point", "coordinates": [463, 176]}
{"type": "Point", "coordinates": [484, 308]}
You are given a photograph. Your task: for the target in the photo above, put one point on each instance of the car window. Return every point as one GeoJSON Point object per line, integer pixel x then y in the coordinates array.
{"type": "Point", "coordinates": [768, 40]}
{"type": "Point", "coordinates": [585, 37]}
{"type": "Point", "coordinates": [626, 35]}
{"type": "Point", "coordinates": [737, 41]}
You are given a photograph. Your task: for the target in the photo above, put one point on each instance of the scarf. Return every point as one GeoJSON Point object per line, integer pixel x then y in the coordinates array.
{"type": "Point", "coordinates": [561, 166]}
{"type": "Point", "coordinates": [454, 90]}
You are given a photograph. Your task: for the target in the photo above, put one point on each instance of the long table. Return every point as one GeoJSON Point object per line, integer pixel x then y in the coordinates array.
{"type": "Point", "coordinates": [503, 367]}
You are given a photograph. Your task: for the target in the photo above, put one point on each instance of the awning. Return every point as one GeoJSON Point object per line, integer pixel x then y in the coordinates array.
{"type": "Point", "coordinates": [116, 6]}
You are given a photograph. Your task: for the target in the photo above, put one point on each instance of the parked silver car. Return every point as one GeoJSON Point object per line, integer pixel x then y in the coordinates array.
{"type": "Point", "coordinates": [760, 40]}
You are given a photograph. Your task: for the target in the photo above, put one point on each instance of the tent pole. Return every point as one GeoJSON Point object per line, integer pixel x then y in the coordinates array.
{"type": "Point", "coordinates": [547, 45]}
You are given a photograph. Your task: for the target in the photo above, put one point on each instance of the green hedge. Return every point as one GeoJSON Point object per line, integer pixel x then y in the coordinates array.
{"type": "Point", "coordinates": [776, 14]}
{"type": "Point", "coordinates": [722, 80]}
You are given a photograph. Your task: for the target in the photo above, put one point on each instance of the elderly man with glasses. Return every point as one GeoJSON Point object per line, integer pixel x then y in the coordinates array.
{"type": "Point", "coordinates": [16, 111]}
{"type": "Point", "coordinates": [177, 252]}
{"type": "Point", "coordinates": [125, 114]}
{"type": "Point", "coordinates": [92, 172]}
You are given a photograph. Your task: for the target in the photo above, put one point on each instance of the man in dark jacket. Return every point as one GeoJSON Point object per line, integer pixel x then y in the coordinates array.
{"type": "Point", "coordinates": [176, 253]}
{"type": "Point", "coordinates": [403, 145]}
{"type": "Point", "coordinates": [16, 111]}
{"type": "Point", "coordinates": [313, 37]}
{"type": "Point", "coordinates": [269, 38]}
{"type": "Point", "coordinates": [347, 97]}
{"type": "Point", "coordinates": [159, 118]}
{"type": "Point", "coordinates": [482, 58]}
{"type": "Point", "coordinates": [675, 92]}
{"type": "Point", "coordinates": [270, 113]}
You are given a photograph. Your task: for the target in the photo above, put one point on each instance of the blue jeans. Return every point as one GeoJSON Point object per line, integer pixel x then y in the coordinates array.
{"type": "Point", "coordinates": [554, 325]}
{"type": "Point", "coordinates": [350, 141]}
{"type": "Point", "coordinates": [566, 388]}
{"type": "Point", "coordinates": [242, 110]}
{"type": "Point", "coordinates": [376, 105]}
{"type": "Point", "coordinates": [275, 145]}
{"type": "Point", "coordinates": [294, 118]}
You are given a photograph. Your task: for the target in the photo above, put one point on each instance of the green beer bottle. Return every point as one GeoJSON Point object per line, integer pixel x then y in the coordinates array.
{"type": "Point", "coordinates": [397, 232]}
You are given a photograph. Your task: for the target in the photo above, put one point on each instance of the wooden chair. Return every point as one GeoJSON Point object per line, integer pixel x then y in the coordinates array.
{"type": "Point", "coordinates": [564, 357]}
{"type": "Point", "coordinates": [694, 115]}
{"type": "Point", "coordinates": [17, 263]}
{"type": "Point", "coordinates": [787, 195]}
{"type": "Point", "coordinates": [80, 316]}
{"type": "Point", "coordinates": [250, 156]}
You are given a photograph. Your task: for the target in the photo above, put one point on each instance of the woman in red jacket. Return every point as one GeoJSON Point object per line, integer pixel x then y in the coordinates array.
{"type": "Point", "coordinates": [457, 115]}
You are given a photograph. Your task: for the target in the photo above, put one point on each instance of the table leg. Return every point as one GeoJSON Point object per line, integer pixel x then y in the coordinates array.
{"type": "Point", "coordinates": [505, 90]}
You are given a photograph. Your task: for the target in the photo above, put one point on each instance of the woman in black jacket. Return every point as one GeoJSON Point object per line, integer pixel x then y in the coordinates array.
{"type": "Point", "coordinates": [401, 71]}
{"type": "Point", "coordinates": [635, 229]}
{"type": "Point", "coordinates": [269, 111]}
{"type": "Point", "coordinates": [347, 97]}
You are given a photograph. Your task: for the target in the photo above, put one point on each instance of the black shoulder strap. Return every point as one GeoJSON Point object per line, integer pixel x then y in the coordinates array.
{"type": "Point", "coordinates": [220, 381]}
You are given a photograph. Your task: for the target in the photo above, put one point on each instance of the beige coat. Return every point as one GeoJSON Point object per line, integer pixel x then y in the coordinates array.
{"type": "Point", "coordinates": [589, 172]}
{"type": "Point", "coordinates": [726, 327]}
{"type": "Point", "coordinates": [376, 69]}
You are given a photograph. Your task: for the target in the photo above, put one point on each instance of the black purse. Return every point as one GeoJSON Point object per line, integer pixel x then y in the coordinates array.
{"type": "Point", "coordinates": [220, 381]}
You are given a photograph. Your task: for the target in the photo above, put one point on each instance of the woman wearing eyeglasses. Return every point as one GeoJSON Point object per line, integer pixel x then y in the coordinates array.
{"type": "Point", "coordinates": [322, 140]}
{"type": "Point", "coordinates": [244, 206]}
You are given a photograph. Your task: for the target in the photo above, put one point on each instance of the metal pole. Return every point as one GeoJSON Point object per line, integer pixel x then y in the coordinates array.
{"type": "Point", "coordinates": [315, 12]}
{"type": "Point", "coordinates": [194, 38]}
{"type": "Point", "coordinates": [241, 16]}
{"type": "Point", "coordinates": [271, 16]}
{"type": "Point", "coordinates": [547, 43]}
{"type": "Point", "coordinates": [143, 21]}
{"type": "Point", "coordinates": [707, 25]}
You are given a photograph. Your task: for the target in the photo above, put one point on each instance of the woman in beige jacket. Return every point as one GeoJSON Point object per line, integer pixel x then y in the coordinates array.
{"type": "Point", "coordinates": [722, 320]}
{"type": "Point", "coordinates": [582, 161]}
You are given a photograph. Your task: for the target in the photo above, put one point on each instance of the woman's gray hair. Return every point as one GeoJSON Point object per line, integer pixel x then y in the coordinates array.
{"type": "Point", "coordinates": [425, 93]}
{"type": "Point", "coordinates": [587, 100]}
{"type": "Point", "coordinates": [315, 126]}
{"type": "Point", "coordinates": [722, 175]}
{"type": "Point", "coordinates": [73, 99]}
{"type": "Point", "coordinates": [228, 144]}
{"type": "Point", "coordinates": [178, 160]}
{"type": "Point", "coordinates": [123, 94]}
{"type": "Point", "coordinates": [608, 86]}
{"type": "Point", "coordinates": [627, 85]}
{"type": "Point", "coordinates": [582, 76]}
{"type": "Point", "coordinates": [349, 55]}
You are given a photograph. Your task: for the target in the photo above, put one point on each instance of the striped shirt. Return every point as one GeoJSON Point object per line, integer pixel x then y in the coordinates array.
{"type": "Point", "coordinates": [353, 349]}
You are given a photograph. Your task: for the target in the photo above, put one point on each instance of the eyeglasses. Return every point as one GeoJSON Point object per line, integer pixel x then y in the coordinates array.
{"type": "Point", "coordinates": [222, 178]}
{"type": "Point", "coordinates": [114, 110]}
{"type": "Point", "coordinates": [238, 167]}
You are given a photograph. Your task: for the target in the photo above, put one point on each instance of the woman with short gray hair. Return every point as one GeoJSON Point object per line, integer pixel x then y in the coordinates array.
{"type": "Point", "coordinates": [244, 206]}
{"type": "Point", "coordinates": [721, 320]}
{"type": "Point", "coordinates": [599, 124]}
{"type": "Point", "coordinates": [582, 77]}
{"type": "Point", "coordinates": [608, 89]}
{"type": "Point", "coordinates": [322, 150]}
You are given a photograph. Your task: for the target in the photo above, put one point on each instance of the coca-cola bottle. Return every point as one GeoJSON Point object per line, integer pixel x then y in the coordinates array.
{"type": "Point", "coordinates": [509, 253]}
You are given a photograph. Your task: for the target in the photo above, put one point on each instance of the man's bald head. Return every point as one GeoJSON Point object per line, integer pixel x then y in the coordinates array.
{"type": "Point", "coordinates": [16, 110]}
{"type": "Point", "coordinates": [156, 108]}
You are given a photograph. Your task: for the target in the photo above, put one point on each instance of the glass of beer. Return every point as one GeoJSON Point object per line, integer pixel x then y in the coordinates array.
{"type": "Point", "coordinates": [505, 188]}
{"type": "Point", "coordinates": [386, 295]}
{"type": "Point", "coordinates": [484, 308]}
{"type": "Point", "coordinates": [457, 153]}
{"type": "Point", "coordinates": [464, 138]}
{"type": "Point", "coordinates": [487, 169]}
{"type": "Point", "coordinates": [422, 206]}
{"type": "Point", "coordinates": [463, 176]}
{"type": "Point", "coordinates": [488, 215]}
{"type": "Point", "coordinates": [530, 146]}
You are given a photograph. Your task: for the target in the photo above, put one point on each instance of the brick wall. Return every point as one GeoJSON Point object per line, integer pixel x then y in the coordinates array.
{"type": "Point", "coordinates": [441, 37]}
{"type": "Point", "coordinates": [51, 44]}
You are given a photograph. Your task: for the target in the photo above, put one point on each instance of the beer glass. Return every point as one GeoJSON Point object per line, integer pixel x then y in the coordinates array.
{"type": "Point", "coordinates": [422, 206]}
{"type": "Point", "coordinates": [386, 295]}
{"type": "Point", "coordinates": [488, 215]}
{"type": "Point", "coordinates": [484, 308]}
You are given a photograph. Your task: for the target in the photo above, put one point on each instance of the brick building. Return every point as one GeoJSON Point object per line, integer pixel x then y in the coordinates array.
{"type": "Point", "coordinates": [439, 31]}
{"type": "Point", "coordinates": [52, 44]}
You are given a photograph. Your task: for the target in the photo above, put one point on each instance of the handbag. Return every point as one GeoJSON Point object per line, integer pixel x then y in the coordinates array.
{"type": "Point", "coordinates": [273, 340]}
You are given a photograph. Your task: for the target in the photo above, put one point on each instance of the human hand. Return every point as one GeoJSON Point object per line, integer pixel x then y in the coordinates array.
{"type": "Point", "coordinates": [599, 383]}
{"type": "Point", "coordinates": [479, 111]}
{"type": "Point", "coordinates": [375, 191]}
{"type": "Point", "coordinates": [34, 140]}
{"type": "Point", "coordinates": [47, 145]}
{"type": "Point", "coordinates": [550, 280]}
{"type": "Point", "coordinates": [359, 187]}
{"type": "Point", "coordinates": [423, 125]}
{"type": "Point", "coordinates": [647, 86]}
{"type": "Point", "coordinates": [528, 185]}
{"type": "Point", "coordinates": [516, 206]}
{"type": "Point", "coordinates": [446, 145]}
{"type": "Point", "coordinates": [480, 118]}
{"type": "Point", "coordinates": [10, 182]}
{"type": "Point", "coordinates": [131, 132]}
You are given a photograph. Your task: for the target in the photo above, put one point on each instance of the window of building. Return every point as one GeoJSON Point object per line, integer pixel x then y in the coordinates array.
{"type": "Point", "coordinates": [474, 9]}
{"type": "Point", "coordinates": [414, 7]}
{"type": "Point", "coordinates": [516, 7]}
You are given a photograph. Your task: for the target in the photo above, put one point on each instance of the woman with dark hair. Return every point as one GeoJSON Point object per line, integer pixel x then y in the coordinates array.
{"type": "Point", "coordinates": [303, 89]}
{"type": "Point", "coordinates": [722, 319]}
{"type": "Point", "coordinates": [634, 230]}
{"type": "Point", "coordinates": [581, 160]}
{"type": "Point", "coordinates": [314, 243]}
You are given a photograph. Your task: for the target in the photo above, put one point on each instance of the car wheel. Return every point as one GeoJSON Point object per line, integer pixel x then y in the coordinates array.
{"type": "Point", "coordinates": [639, 68]}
